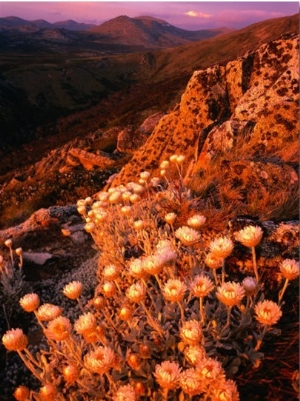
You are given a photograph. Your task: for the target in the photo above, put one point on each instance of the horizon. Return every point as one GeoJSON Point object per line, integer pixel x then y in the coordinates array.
{"type": "Point", "coordinates": [184, 15]}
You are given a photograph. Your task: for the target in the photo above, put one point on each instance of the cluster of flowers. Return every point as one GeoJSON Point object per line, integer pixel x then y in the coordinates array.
{"type": "Point", "coordinates": [162, 310]}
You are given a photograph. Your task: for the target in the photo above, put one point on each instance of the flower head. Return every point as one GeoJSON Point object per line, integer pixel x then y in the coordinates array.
{"type": "Point", "coordinates": [210, 368]}
{"type": "Point", "coordinates": [111, 272]}
{"type": "Point", "coordinates": [230, 293]}
{"type": "Point", "coordinates": [170, 218]}
{"type": "Point", "coordinates": [167, 375]}
{"type": "Point", "coordinates": [86, 324]}
{"type": "Point", "coordinates": [201, 286]}
{"type": "Point", "coordinates": [125, 393]}
{"type": "Point", "coordinates": [22, 393]}
{"type": "Point", "coordinates": [30, 302]}
{"type": "Point", "coordinates": [59, 329]}
{"type": "Point", "coordinates": [48, 392]}
{"type": "Point", "coordinates": [213, 261]}
{"type": "Point", "coordinates": [136, 292]}
{"type": "Point", "coordinates": [249, 236]}
{"type": "Point", "coordinates": [71, 373]}
{"type": "Point", "coordinates": [100, 360]}
{"type": "Point", "coordinates": [152, 264]}
{"type": "Point", "coordinates": [194, 354]}
{"type": "Point", "coordinates": [47, 312]}
{"type": "Point", "coordinates": [250, 286]}
{"type": "Point", "coordinates": [221, 247]}
{"type": "Point", "coordinates": [190, 382]}
{"type": "Point", "coordinates": [174, 290]}
{"type": "Point", "coordinates": [225, 390]}
{"type": "Point", "coordinates": [73, 290]}
{"type": "Point", "coordinates": [191, 332]}
{"type": "Point", "coordinates": [109, 289]}
{"type": "Point", "coordinates": [136, 268]}
{"type": "Point", "coordinates": [267, 312]}
{"type": "Point", "coordinates": [15, 340]}
{"type": "Point", "coordinates": [187, 235]}
{"type": "Point", "coordinates": [289, 268]}
{"type": "Point", "coordinates": [196, 221]}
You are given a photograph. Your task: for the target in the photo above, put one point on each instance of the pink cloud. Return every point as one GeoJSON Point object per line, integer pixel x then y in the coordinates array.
{"type": "Point", "coordinates": [197, 14]}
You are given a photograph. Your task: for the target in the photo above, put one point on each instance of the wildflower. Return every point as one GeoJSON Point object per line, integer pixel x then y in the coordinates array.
{"type": "Point", "coordinates": [19, 251]}
{"type": "Point", "coordinates": [71, 373]}
{"type": "Point", "coordinates": [196, 221]}
{"type": "Point", "coordinates": [136, 292]}
{"type": "Point", "coordinates": [138, 189]}
{"type": "Point", "coordinates": [174, 290]}
{"type": "Point", "coordinates": [126, 196]}
{"type": "Point", "coordinates": [210, 368]}
{"type": "Point", "coordinates": [73, 290]}
{"type": "Point", "coordinates": [249, 236]}
{"type": "Point", "coordinates": [170, 218]}
{"type": "Point", "coordinates": [85, 324]}
{"type": "Point", "coordinates": [125, 393]}
{"type": "Point", "coordinates": [152, 264]}
{"type": "Point", "coordinates": [8, 243]}
{"type": "Point", "coordinates": [267, 312]}
{"type": "Point", "coordinates": [115, 197]}
{"type": "Point", "coordinates": [250, 286]}
{"type": "Point", "coordinates": [59, 329]}
{"type": "Point", "coordinates": [187, 235]}
{"type": "Point", "coordinates": [213, 261]}
{"type": "Point", "coordinates": [145, 175]}
{"type": "Point", "coordinates": [47, 312]}
{"type": "Point", "coordinates": [126, 209]}
{"type": "Point", "coordinates": [134, 198]}
{"type": "Point", "coordinates": [138, 224]}
{"type": "Point", "coordinates": [48, 392]}
{"type": "Point", "coordinates": [125, 313]}
{"type": "Point", "coordinates": [21, 393]}
{"type": "Point", "coordinates": [166, 251]}
{"type": "Point", "coordinates": [230, 293]}
{"type": "Point", "coordinates": [201, 286]}
{"type": "Point", "coordinates": [136, 269]}
{"type": "Point", "coordinates": [289, 268]}
{"type": "Point", "coordinates": [225, 390]}
{"type": "Point", "coordinates": [89, 227]}
{"type": "Point", "coordinates": [15, 340]}
{"type": "Point", "coordinates": [221, 247]}
{"type": "Point", "coordinates": [180, 159]}
{"type": "Point", "coordinates": [99, 302]}
{"type": "Point", "coordinates": [109, 289]}
{"type": "Point", "coordinates": [111, 272]}
{"type": "Point", "coordinates": [167, 375]}
{"type": "Point", "coordinates": [155, 181]}
{"type": "Point", "coordinates": [194, 354]}
{"type": "Point", "coordinates": [100, 360]}
{"type": "Point", "coordinates": [191, 332]}
{"type": "Point", "coordinates": [190, 382]}
{"type": "Point", "coordinates": [103, 196]}
{"type": "Point", "coordinates": [30, 302]}
{"type": "Point", "coordinates": [164, 164]}
{"type": "Point", "coordinates": [134, 361]}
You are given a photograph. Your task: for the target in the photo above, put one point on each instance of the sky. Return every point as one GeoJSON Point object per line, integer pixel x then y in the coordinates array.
{"type": "Point", "coordinates": [191, 15]}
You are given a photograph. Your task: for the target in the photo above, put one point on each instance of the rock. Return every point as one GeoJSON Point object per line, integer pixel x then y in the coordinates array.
{"type": "Point", "coordinates": [130, 139]}
{"type": "Point", "coordinates": [38, 258]}
{"type": "Point", "coordinates": [237, 124]}
{"type": "Point", "coordinates": [90, 160]}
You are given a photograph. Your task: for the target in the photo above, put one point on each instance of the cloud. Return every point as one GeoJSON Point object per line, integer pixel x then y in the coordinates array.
{"type": "Point", "coordinates": [197, 14]}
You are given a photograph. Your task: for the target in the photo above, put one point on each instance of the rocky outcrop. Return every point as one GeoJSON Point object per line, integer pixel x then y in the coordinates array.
{"type": "Point", "coordinates": [237, 124]}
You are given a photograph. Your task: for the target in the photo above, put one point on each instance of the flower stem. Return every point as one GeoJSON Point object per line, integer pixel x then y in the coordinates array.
{"type": "Point", "coordinates": [259, 341]}
{"type": "Point", "coordinates": [151, 321]}
{"type": "Point", "coordinates": [223, 271]}
{"type": "Point", "coordinates": [254, 263]}
{"type": "Point", "coordinates": [281, 293]}
{"type": "Point", "coordinates": [29, 366]}
{"type": "Point", "coordinates": [201, 315]}
{"type": "Point", "coordinates": [181, 311]}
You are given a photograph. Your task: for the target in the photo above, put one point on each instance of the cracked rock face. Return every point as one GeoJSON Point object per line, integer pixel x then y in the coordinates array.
{"type": "Point", "coordinates": [239, 119]}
